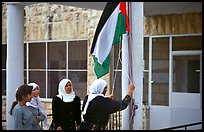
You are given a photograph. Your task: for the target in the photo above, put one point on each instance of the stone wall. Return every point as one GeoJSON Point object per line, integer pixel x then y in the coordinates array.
{"type": "Point", "coordinates": [187, 23]}
{"type": "Point", "coordinates": [45, 21]}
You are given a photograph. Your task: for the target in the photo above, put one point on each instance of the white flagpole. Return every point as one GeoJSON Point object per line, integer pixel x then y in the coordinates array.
{"type": "Point", "coordinates": [125, 81]}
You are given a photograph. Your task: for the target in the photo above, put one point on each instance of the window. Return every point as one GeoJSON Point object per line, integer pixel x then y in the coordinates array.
{"type": "Point", "coordinates": [37, 65]}
{"type": "Point", "coordinates": [46, 63]}
{"type": "Point", "coordinates": [56, 60]}
{"type": "Point", "coordinates": [77, 66]}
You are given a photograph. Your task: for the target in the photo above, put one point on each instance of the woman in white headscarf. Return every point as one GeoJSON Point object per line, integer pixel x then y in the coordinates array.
{"type": "Point", "coordinates": [97, 107]}
{"type": "Point", "coordinates": [66, 107]}
{"type": "Point", "coordinates": [37, 109]}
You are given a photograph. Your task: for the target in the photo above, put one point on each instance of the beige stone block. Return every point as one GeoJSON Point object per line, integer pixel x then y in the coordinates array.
{"type": "Point", "coordinates": [44, 19]}
{"type": "Point", "coordinates": [49, 106]}
{"type": "Point", "coordinates": [67, 16]}
{"type": "Point", "coordinates": [40, 31]}
{"type": "Point", "coordinates": [28, 12]}
{"type": "Point", "coordinates": [57, 17]}
{"type": "Point", "coordinates": [49, 111]}
{"type": "Point", "coordinates": [168, 24]}
{"type": "Point", "coordinates": [45, 8]}
{"type": "Point", "coordinates": [153, 25]}
{"type": "Point", "coordinates": [72, 29]}
{"type": "Point", "coordinates": [190, 23]}
{"type": "Point", "coordinates": [175, 25]}
{"type": "Point", "coordinates": [161, 24]}
{"type": "Point", "coordinates": [55, 8]}
{"type": "Point", "coordinates": [4, 35]}
{"type": "Point", "coordinates": [31, 32]}
{"type": "Point", "coordinates": [182, 23]}
{"type": "Point", "coordinates": [198, 22]}
{"type": "Point", "coordinates": [70, 8]}
{"type": "Point", "coordinates": [91, 33]}
{"type": "Point", "coordinates": [59, 31]}
{"type": "Point", "coordinates": [146, 25]}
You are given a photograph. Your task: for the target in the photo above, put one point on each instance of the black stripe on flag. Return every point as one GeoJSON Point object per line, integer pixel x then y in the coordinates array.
{"type": "Point", "coordinates": [109, 8]}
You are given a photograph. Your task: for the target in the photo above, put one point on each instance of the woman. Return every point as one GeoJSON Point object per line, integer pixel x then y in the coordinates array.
{"type": "Point", "coordinates": [66, 107]}
{"type": "Point", "coordinates": [37, 109]}
{"type": "Point", "coordinates": [22, 116]}
{"type": "Point", "coordinates": [97, 107]}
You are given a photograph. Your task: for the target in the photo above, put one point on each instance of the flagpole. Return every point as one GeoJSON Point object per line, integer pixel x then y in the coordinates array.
{"type": "Point", "coordinates": [125, 81]}
{"type": "Point", "coordinates": [131, 105]}
{"type": "Point", "coordinates": [126, 77]}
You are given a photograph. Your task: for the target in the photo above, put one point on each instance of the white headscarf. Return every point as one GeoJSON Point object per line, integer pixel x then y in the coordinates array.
{"type": "Point", "coordinates": [62, 94]}
{"type": "Point", "coordinates": [96, 89]}
{"type": "Point", "coordinates": [36, 103]}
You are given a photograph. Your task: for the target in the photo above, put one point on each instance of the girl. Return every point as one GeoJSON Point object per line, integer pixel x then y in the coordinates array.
{"type": "Point", "coordinates": [22, 116]}
{"type": "Point", "coordinates": [37, 109]}
{"type": "Point", "coordinates": [66, 107]}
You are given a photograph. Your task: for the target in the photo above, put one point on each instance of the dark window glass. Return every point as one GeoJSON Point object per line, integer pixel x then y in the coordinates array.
{"type": "Point", "coordinates": [39, 77]}
{"type": "Point", "coordinates": [57, 55]}
{"type": "Point", "coordinates": [187, 43]}
{"type": "Point", "coordinates": [3, 83]}
{"type": "Point", "coordinates": [186, 76]}
{"type": "Point", "coordinates": [37, 54]}
{"type": "Point", "coordinates": [77, 53]}
{"type": "Point", "coordinates": [117, 86]}
{"type": "Point", "coordinates": [4, 52]}
{"type": "Point", "coordinates": [117, 56]}
{"type": "Point", "coordinates": [54, 77]}
{"type": "Point", "coordinates": [79, 80]}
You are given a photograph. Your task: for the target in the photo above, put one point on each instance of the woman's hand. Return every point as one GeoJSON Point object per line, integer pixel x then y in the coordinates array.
{"type": "Point", "coordinates": [110, 96]}
{"type": "Point", "coordinates": [131, 89]}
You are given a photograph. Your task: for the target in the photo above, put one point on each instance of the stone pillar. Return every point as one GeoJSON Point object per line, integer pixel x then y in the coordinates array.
{"type": "Point", "coordinates": [137, 59]}
{"type": "Point", "coordinates": [15, 55]}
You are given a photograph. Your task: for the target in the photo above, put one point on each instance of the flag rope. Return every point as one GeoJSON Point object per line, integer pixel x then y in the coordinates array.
{"type": "Point", "coordinates": [116, 70]}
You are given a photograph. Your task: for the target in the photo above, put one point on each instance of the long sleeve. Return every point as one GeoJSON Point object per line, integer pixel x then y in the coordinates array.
{"type": "Point", "coordinates": [124, 103]}
{"type": "Point", "coordinates": [41, 116]}
{"type": "Point", "coordinates": [78, 110]}
{"type": "Point", "coordinates": [55, 111]}
{"type": "Point", "coordinates": [17, 120]}
{"type": "Point", "coordinates": [110, 106]}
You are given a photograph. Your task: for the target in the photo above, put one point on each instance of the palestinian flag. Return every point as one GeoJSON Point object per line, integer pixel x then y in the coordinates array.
{"type": "Point", "coordinates": [112, 25]}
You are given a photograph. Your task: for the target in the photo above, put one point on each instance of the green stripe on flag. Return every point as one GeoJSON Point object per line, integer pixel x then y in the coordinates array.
{"type": "Point", "coordinates": [103, 69]}
{"type": "Point", "coordinates": [120, 29]}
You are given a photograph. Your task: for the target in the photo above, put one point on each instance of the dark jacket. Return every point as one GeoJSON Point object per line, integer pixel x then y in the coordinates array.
{"type": "Point", "coordinates": [66, 114]}
{"type": "Point", "coordinates": [100, 108]}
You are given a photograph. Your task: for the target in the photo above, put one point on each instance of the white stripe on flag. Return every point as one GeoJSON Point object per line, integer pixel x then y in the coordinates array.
{"type": "Point", "coordinates": [105, 38]}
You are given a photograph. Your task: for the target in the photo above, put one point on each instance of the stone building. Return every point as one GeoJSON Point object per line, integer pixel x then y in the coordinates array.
{"type": "Point", "coordinates": [57, 42]}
